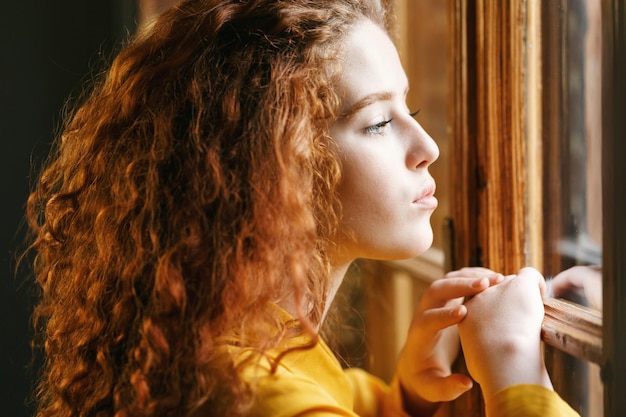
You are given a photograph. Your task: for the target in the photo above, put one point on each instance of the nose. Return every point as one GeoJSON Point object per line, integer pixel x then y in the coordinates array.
{"type": "Point", "coordinates": [422, 149]}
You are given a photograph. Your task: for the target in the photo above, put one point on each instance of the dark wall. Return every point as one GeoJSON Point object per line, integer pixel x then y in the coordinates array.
{"type": "Point", "coordinates": [47, 51]}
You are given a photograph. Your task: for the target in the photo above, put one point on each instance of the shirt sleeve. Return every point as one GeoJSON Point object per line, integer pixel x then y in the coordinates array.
{"type": "Point", "coordinates": [280, 396]}
{"type": "Point", "coordinates": [373, 397]}
{"type": "Point", "coordinates": [528, 401]}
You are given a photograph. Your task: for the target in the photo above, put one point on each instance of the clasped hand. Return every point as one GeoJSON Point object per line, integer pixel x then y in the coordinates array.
{"type": "Point", "coordinates": [485, 323]}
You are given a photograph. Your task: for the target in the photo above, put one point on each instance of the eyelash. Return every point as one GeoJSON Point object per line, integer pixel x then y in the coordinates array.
{"type": "Point", "coordinates": [373, 130]}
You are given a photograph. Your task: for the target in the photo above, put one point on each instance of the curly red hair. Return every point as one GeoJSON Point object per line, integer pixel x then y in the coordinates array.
{"type": "Point", "coordinates": [191, 189]}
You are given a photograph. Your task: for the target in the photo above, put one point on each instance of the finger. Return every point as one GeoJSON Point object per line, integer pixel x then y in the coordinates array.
{"type": "Point", "coordinates": [495, 279]}
{"type": "Point", "coordinates": [533, 274]}
{"type": "Point", "coordinates": [436, 319]}
{"type": "Point", "coordinates": [437, 388]}
{"type": "Point", "coordinates": [470, 272]}
{"type": "Point", "coordinates": [477, 272]}
{"type": "Point", "coordinates": [442, 291]}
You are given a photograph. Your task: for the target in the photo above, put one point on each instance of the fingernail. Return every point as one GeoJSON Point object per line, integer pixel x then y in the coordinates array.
{"type": "Point", "coordinates": [483, 282]}
{"type": "Point", "coordinates": [466, 385]}
{"type": "Point", "coordinates": [459, 311]}
{"type": "Point", "coordinates": [496, 275]}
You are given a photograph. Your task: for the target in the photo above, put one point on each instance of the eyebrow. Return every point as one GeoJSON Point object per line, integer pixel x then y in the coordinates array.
{"type": "Point", "coordinates": [366, 101]}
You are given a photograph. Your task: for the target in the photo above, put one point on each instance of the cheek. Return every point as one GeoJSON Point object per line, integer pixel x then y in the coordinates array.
{"type": "Point", "coordinates": [364, 190]}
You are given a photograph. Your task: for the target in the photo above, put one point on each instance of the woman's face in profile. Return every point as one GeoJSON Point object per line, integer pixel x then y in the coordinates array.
{"type": "Point", "coordinates": [386, 191]}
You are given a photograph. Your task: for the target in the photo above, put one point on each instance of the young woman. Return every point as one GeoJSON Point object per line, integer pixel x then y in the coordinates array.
{"type": "Point", "coordinates": [204, 203]}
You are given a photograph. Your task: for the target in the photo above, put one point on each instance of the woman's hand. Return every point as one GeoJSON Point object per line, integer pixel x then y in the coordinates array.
{"type": "Point", "coordinates": [500, 334]}
{"type": "Point", "coordinates": [424, 373]}
{"type": "Point", "coordinates": [582, 283]}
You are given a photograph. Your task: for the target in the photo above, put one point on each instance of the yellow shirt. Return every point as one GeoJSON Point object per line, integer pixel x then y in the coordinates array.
{"type": "Point", "coordinates": [312, 383]}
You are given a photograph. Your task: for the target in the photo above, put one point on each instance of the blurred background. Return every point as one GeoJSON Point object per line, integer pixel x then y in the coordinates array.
{"type": "Point", "coordinates": [48, 49]}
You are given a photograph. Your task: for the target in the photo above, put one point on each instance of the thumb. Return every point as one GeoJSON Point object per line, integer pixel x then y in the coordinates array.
{"type": "Point", "coordinates": [436, 388]}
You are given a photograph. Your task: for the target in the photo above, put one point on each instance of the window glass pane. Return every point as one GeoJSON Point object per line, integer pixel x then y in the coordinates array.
{"type": "Point", "coordinates": [576, 381]}
{"type": "Point", "coordinates": [572, 59]}
{"type": "Point", "coordinates": [573, 141]}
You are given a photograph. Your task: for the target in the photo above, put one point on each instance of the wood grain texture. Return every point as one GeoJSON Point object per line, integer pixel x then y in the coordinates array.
{"type": "Point", "coordinates": [573, 329]}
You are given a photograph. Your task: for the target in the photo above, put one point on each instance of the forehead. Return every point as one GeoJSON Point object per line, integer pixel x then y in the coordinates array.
{"type": "Point", "coordinates": [371, 67]}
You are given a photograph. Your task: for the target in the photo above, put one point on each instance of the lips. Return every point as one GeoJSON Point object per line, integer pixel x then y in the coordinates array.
{"type": "Point", "coordinates": [426, 198]}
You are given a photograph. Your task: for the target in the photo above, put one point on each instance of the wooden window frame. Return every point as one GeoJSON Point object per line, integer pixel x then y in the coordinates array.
{"type": "Point", "coordinates": [614, 207]}
{"type": "Point", "coordinates": [497, 129]}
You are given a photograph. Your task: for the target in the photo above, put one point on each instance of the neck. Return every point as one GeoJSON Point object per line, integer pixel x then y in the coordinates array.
{"type": "Point", "coordinates": [335, 278]}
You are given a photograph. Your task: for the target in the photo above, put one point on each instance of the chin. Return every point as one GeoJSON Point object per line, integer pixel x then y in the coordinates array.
{"type": "Point", "coordinates": [419, 251]}
{"type": "Point", "coordinates": [425, 242]}
{"type": "Point", "coordinates": [410, 251]}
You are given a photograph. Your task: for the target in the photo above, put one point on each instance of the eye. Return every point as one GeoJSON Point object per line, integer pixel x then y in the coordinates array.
{"type": "Point", "coordinates": [378, 128]}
